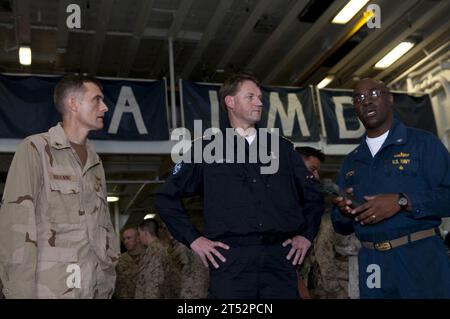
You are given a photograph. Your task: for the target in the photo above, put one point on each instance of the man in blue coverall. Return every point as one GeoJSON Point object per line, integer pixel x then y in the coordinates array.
{"type": "Point", "coordinates": [401, 176]}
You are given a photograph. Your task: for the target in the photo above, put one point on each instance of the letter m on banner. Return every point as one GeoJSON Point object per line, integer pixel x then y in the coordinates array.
{"type": "Point", "coordinates": [292, 111]}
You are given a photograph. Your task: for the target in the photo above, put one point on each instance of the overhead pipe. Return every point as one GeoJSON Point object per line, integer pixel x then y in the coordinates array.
{"type": "Point", "coordinates": [409, 72]}
{"type": "Point", "coordinates": [172, 84]}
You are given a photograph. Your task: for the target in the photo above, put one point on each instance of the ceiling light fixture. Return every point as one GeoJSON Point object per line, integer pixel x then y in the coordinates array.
{"type": "Point", "coordinates": [25, 55]}
{"type": "Point", "coordinates": [395, 54]}
{"type": "Point", "coordinates": [112, 199]}
{"type": "Point", "coordinates": [326, 80]}
{"type": "Point", "coordinates": [349, 11]}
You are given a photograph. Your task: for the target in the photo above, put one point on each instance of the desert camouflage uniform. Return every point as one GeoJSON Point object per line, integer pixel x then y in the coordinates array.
{"type": "Point", "coordinates": [194, 275]}
{"type": "Point", "coordinates": [329, 263]}
{"type": "Point", "coordinates": [157, 277]}
{"type": "Point", "coordinates": [127, 272]}
{"type": "Point", "coordinates": [2, 296]}
{"type": "Point", "coordinates": [304, 270]}
{"type": "Point", "coordinates": [56, 236]}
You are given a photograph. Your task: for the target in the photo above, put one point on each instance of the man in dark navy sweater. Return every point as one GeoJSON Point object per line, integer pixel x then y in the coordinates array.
{"type": "Point", "coordinates": [257, 227]}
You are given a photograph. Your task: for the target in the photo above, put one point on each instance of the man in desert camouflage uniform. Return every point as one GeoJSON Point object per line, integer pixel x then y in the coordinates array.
{"type": "Point", "coordinates": [2, 296]}
{"type": "Point", "coordinates": [330, 262]}
{"type": "Point", "coordinates": [313, 158]}
{"type": "Point", "coordinates": [194, 275]}
{"type": "Point", "coordinates": [157, 276]}
{"type": "Point", "coordinates": [56, 236]}
{"type": "Point", "coordinates": [127, 267]}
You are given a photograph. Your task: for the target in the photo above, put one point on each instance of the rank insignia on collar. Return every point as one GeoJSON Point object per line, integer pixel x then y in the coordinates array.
{"type": "Point", "coordinates": [176, 168]}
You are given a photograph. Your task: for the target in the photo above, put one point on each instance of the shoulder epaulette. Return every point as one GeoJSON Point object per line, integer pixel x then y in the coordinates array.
{"type": "Point", "coordinates": [286, 139]}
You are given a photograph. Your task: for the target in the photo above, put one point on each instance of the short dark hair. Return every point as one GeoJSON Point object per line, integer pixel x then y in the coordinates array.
{"type": "Point", "coordinates": [150, 226]}
{"type": "Point", "coordinates": [232, 84]}
{"type": "Point", "coordinates": [128, 227]}
{"type": "Point", "coordinates": [307, 151]}
{"type": "Point", "coordinates": [69, 84]}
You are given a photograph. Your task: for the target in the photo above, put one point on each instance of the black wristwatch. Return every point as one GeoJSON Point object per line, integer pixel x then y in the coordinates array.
{"type": "Point", "coordinates": [402, 201]}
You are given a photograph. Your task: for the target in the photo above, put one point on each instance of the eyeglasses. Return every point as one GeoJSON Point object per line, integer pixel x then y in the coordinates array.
{"type": "Point", "coordinates": [360, 98]}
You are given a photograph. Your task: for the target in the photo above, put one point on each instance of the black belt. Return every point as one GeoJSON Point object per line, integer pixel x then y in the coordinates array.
{"type": "Point", "coordinates": [264, 239]}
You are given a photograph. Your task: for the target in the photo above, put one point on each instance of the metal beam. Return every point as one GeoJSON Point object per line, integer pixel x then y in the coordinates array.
{"type": "Point", "coordinates": [100, 34]}
{"type": "Point", "coordinates": [246, 29]}
{"type": "Point", "coordinates": [310, 35]}
{"type": "Point", "coordinates": [188, 36]}
{"type": "Point", "coordinates": [173, 107]}
{"type": "Point", "coordinates": [274, 38]}
{"type": "Point", "coordinates": [173, 32]}
{"type": "Point", "coordinates": [62, 36]}
{"type": "Point", "coordinates": [149, 33]}
{"type": "Point", "coordinates": [135, 197]}
{"type": "Point", "coordinates": [304, 75]}
{"type": "Point", "coordinates": [443, 29]}
{"type": "Point", "coordinates": [180, 16]}
{"type": "Point", "coordinates": [430, 56]}
{"type": "Point", "coordinates": [425, 17]}
{"type": "Point", "coordinates": [5, 16]}
{"type": "Point", "coordinates": [144, 10]}
{"type": "Point", "coordinates": [208, 35]}
{"type": "Point", "coordinates": [368, 41]}
{"type": "Point", "coordinates": [22, 11]}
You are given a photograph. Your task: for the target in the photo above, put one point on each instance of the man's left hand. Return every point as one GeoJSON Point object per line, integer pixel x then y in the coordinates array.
{"type": "Point", "coordinates": [300, 246]}
{"type": "Point", "coordinates": [377, 208]}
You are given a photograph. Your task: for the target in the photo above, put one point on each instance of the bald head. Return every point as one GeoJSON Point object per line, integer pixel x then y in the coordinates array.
{"type": "Point", "coordinates": [369, 82]}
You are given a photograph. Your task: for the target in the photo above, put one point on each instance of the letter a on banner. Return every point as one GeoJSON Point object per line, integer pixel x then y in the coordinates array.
{"type": "Point", "coordinates": [126, 103]}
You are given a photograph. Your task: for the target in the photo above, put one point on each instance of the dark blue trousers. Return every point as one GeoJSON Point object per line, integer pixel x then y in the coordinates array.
{"type": "Point", "coordinates": [417, 270]}
{"type": "Point", "coordinates": [254, 272]}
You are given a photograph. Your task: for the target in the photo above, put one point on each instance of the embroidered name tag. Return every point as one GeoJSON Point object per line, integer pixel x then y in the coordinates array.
{"type": "Point", "coordinates": [401, 155]}
{"type": "Point", "coordinates": [62, 177]}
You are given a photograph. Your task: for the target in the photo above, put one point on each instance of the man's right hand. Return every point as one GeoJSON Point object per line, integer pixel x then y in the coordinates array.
{"type": "Point", "coordinates": [344, 203]}
{"type": "Point", "coordinates": [206, 249]}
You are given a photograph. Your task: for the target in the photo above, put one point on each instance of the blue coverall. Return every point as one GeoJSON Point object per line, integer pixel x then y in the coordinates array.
{"type": "Point", "coordinates": [416, 163]}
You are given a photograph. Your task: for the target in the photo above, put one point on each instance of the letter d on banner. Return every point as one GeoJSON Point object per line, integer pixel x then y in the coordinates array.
{"type": "Point", "coordinates": [339, 102]}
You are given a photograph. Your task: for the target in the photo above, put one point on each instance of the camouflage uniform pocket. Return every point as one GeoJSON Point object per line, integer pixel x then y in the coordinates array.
{"type": "Point", "coordinates": [64, 202]}
{"type": "Point", "coordinates": [58, 273]}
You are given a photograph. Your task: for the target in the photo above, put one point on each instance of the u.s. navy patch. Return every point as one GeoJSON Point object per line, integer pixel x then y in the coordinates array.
{"type": "Point", "coordinates": [176, 168]}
